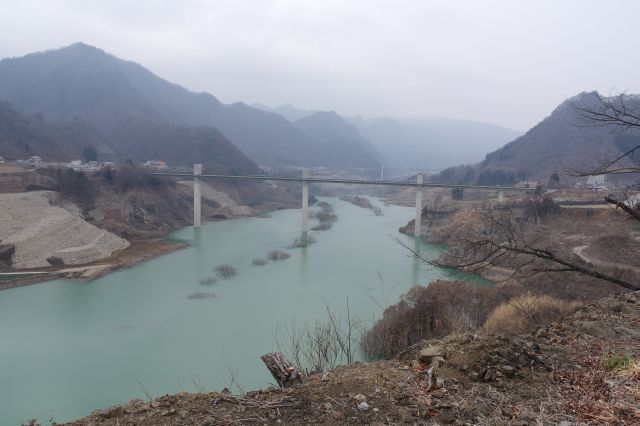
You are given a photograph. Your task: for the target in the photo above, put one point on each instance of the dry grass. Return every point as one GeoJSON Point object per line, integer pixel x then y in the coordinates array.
{"type": "Point", "coordinates": [631, 370]}
{"type": "Point", "coordinates": [523, 313]}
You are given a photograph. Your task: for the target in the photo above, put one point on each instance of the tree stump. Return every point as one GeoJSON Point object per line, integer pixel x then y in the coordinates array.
{"type": "Point", "coordinates": [282, 370]}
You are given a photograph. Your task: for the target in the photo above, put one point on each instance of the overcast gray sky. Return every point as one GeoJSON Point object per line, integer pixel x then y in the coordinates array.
{"type": "Point", "coordinates": [505, 62]}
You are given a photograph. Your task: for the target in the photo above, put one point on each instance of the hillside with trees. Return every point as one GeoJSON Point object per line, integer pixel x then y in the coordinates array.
{"type": "Point", "coordinates": [560, 144]}
{"type": "Point", "coordinates": [135, 137]}
{"type": "Point", "coordinates": [81, 81]}
{"type": "Point", "coordinates": [24, 135]}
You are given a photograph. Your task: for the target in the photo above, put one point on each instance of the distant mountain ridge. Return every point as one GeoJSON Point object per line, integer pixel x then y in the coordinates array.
{"type": "Point", "coordinates": [83, 81]}
{"type": "Point", "coordinates": [560, 143]}
{"type": "Point", "coordinates": [420, 144]}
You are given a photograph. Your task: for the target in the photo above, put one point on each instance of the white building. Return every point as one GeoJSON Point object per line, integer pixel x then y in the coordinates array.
{"type": "Point", "coordinates": [597, 182]}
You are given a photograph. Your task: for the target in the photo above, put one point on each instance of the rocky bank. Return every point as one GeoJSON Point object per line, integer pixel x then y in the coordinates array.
{"type": "Point", "coordinates": [565, 373]}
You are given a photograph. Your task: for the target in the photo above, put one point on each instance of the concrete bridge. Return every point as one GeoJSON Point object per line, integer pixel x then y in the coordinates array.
{"type": "Point", "coordinates": [305, 179]}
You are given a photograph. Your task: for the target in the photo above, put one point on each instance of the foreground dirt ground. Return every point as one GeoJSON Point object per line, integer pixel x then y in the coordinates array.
{"type": "Point", "coordinates": [572, 372]}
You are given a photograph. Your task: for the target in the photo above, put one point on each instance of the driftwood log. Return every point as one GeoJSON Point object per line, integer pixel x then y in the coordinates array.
{"type": "Point", "coordinates": [282, 370]}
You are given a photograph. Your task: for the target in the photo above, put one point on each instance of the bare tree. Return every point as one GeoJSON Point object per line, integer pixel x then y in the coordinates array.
{"type": "Point", "coordinates": [320, 345]}
{"type": "Point", "coordinates": [501, 238]}
{"type": "Point", "coordinates": [619, 113]}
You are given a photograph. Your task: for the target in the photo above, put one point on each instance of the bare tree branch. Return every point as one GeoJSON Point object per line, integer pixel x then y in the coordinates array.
{"type": "Point", "coordinates": [504, 239]}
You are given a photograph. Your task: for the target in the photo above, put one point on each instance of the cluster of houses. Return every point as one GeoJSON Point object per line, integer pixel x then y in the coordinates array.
{"type": "Point", "coordinates": [156, 164]}
{"type": "Point", "coordinates": [31, 162]}
{"type": "Point", "coordinates": [84, 166]}
{"type": "Point", "coordinates": [89, 166]}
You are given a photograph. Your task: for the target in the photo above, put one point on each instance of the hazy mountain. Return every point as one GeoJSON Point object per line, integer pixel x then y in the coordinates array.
{"type": "Point", "coordinates": [428, 144]}
{"type": "Point", "coordinates": [135, 136]}
{"type": "Point", "coordinates": [138, 136]}
{"type": "Point", "coordinates": [23, 135]}
{"type": "Point", "coordinates": [287, 110]}
{"type": "Point", "coordinates": [83, 81]}
{"type": "Point", "coordinates": [339, 138]}
{"type": "Point", "coordinates": [559, 143]}
{"type": "Point", "coordinates": [432, 143]}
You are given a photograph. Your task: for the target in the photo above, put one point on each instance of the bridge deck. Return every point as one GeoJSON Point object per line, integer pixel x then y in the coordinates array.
{"type": "Point", "coordinates": [345, 181]}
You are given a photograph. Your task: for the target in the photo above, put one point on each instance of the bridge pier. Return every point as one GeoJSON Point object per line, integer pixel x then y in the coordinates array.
{"type": "Point", "coordinates": [418, 221]}
{"type": "Point", "coordinates": [305, 207]}
{"type": "Point", "coordinates": [197, 196]}
{"type": "Point", "coordinates": [500, 196]}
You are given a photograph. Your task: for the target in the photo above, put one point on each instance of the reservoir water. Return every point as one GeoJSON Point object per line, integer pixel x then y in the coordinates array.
{"type": "Point", "coordinates": [67, 348]}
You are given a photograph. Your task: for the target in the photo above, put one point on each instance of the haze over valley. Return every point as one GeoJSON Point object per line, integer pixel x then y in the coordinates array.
{"type": "Point", "coordinates": [283, 212]}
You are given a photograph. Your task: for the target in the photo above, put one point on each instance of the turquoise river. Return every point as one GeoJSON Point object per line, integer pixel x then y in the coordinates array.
{"type": "Point", "coordinates": [67, 348]}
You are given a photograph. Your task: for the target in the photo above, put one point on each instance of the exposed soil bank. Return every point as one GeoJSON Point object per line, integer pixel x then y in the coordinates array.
{"type": "Point", "coordinates": [137, 252]}
{"type": "Point", "coordinates": [84, 235]}
{"type": "Point", "coordinates": [559, 373]}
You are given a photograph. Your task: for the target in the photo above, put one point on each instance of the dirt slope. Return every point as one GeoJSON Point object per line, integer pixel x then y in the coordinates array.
{"type": "Point", "coordinates": [40, 230]}
{"type": "Point", "coordinates": [557, 374]}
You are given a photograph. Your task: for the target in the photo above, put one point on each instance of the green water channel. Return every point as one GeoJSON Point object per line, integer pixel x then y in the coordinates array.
{"type": "Point", "coordinates": [67, 348]}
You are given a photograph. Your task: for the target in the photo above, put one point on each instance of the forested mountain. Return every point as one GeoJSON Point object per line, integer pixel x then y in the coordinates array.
{"type": "Point", "coordinates": [23, 135]}
{"type": "Point", "coordinates": [85, 82]}
{"type": "Point", "coordinates": [135, 137]}
{"type": "Point", "coordinates": [560, 143]}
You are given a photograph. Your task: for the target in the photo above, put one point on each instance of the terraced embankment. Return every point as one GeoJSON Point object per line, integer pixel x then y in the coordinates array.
{"type": "Point", "coordinates": [40, 230]}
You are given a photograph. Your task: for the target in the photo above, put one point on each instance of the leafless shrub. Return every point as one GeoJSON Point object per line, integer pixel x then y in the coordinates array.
{"type": "Point", "coordinates": [234, 382]}
{"type": "Point", "coordinates": [325, 217]}
{"type": "Point", "coordinates": [201, 295]}
{"type": "Point", "coordinates": [208, 281]}
{"type": "Point", "coordinates": [322, 226]}
{"type": "Point", "coordinates": [501, 236]}
{"type": "Point", "coordinates": [319, 345]}
{"type": "Point", "coordinates": [441, 308]}
{"type": "Point", "coordinates": [300, 243]}
{"type": "Point", "coordinates": [226, 271]}
{"type": "Point", "coordinates": [197, 383]}
{"type": "Point", "coordinates": [278, 255]}
{"type": "Point", "coordinates": [258, 262]}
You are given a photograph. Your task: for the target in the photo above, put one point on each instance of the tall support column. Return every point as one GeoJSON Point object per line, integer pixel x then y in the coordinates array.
{"type": "Point", "coordinates": [500, 196]}
{"type": "Point", "coordinates": [418, 222]}
{"type": "Point", "coordinates": [305, 206]}
{"type": "Point", "coordinates": [197, 195]}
